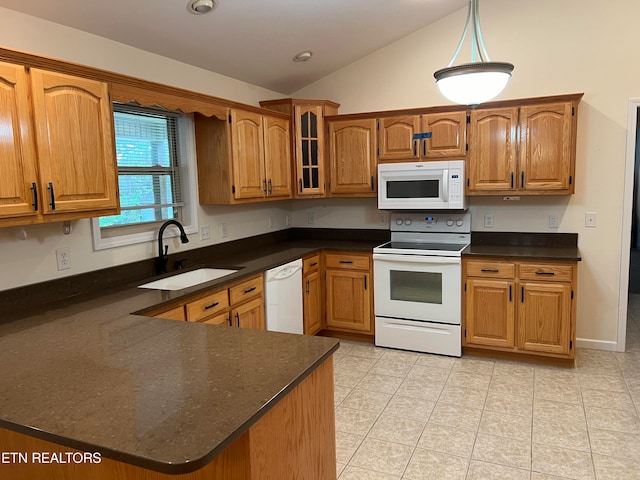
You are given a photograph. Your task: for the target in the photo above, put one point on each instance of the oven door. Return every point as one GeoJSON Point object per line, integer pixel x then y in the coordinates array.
{"type": "Point", "coordinates": [416, 287]}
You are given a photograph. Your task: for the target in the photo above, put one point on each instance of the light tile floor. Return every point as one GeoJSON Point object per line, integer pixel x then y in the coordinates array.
{"type": "Point", "coordinates": [405, 415]}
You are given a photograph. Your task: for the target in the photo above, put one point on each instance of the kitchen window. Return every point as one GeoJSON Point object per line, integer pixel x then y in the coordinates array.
{"type": "Point", "coordinates": [156, 170]}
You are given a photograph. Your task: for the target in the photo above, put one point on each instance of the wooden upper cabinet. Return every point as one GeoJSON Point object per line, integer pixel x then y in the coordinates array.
{"type": "Point", "coordinates": [422, 137]}
{"type": "Point", "coordinates": [310, 157]}
{"type": "Point", "coordinates": [528, 149]}
{"type": "Point", "coordinates": [308, 140]}
{"type": "Point", "coordinates": [19, 180]}
{"type": "Point", "coordinates": [352, 157]}
{"type": "Point", "coordinates": [277, 157]}
{"type": "Point", "coordinates": [395, 138]}
{"type": "Point", "coordinates": [75, 143]}
{"type": "Point", "coordinates": [546, 143]}
{"type": "Point", "coordinates": [248, 154]}
{"type": "Point", "coordinates": [493, 150]}
{"type": "Point", "coordinates": [446, 135]}
{"type": "Point", "coordinates": [245, 157]}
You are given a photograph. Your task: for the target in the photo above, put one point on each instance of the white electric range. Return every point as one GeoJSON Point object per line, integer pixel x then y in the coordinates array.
{"type": "Point", "coordinates": [417, 277]}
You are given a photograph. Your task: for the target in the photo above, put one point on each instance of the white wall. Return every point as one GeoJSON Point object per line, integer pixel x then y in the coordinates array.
{"type": "Point", "coordinates": [33, 260]}
{"type": "Point", "coordinates": [557, 47]}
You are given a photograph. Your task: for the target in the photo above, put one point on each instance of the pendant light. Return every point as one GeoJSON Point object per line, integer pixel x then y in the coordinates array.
{"type": "Point", "coordinates": [476, 82]}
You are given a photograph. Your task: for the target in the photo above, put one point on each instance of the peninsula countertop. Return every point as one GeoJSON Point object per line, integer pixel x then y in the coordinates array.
{"type": "Point", "coordinates": [169, 396]}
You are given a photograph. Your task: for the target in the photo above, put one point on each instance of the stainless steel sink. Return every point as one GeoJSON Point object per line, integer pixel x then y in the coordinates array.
{"type": "Point", "coordinates": [188, 279]}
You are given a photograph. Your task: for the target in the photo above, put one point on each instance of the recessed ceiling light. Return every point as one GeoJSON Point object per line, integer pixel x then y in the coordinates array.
{"type": "Point", "coordinates": [199, 7]}
{"type": "Point", "coordinates": [302, 56]}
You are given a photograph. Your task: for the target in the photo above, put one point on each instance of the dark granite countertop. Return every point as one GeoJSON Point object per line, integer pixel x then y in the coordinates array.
{"type": "Point", "coordinates": [524, 246]}
{"type": "Point", "coordinates": [84, 372]}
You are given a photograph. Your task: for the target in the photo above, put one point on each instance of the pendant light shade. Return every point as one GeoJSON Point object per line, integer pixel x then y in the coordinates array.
{"type": "Point", "coordinates": [476, 82]}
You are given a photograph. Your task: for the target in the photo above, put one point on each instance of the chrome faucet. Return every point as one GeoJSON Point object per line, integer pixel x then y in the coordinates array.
{"type": "Point", "coordinates": [163, 256]}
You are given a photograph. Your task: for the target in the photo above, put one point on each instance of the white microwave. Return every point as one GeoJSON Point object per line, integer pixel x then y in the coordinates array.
{"type": "Point", "coordinates": [421, 186]}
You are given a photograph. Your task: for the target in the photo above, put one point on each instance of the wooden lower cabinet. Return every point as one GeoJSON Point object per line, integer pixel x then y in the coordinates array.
{"type": "Point", "coordinates": [544, 317]}
{"type": "Point", "coordinates": [249, 314]}
{"type": "Point", "coordinates": [520, 306]}
{"type": "Point", "coordinates": [241, 304]}
{"type": "Point", "coordinates": [490, 312]}
{"type": "Point", "coordinates": [312, 303]}
{"type": "Point", "coordinates": [349, 292]}
{"type": "Point", "coordinates": [176, 313]}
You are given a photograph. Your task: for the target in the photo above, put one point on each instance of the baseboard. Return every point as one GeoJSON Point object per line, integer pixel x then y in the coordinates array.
{"type": "Point", "coordinates": [597, 344]}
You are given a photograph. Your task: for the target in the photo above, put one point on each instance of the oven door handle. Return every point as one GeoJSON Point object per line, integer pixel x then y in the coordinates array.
{"type": "Point", "coordinates": [423, 259]}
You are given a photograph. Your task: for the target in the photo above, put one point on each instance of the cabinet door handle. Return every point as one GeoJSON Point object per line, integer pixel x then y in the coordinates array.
{"type": "Point", "coordinates": [34, 188]}
{"type": "Point", "coordinates": [521, 179]}
{"type": "Point", "coordinates": [300, 185]}
{"type": "Point", "coordinates": [229, 320]}
{"type": "Point", "coordinates": [264, 185]}
{"type": "Point", "coordinates": [415, 148]}
{"type": "Point", "coordinates": [511, 179]}
{"type": "Point", "coordinates": [313, 264]}
{"type": "Point", "coordinates": [424, 147]}
{"type": "Point", "coordinates": [214, 304]}
{"type": "Point", "coordinates": [510, 298]}
{"type": "Point", "coordinates": [373, 185]}
{"type": "Point", "coordinates": [545, 273]}
{"type": "Point", "coordinates": [237, 319]}
{"type": "Point", "coordinates": [53, 198]}
{"type": "Point", "coordinates": [522, 294]}
{"type": "Point", "coordinates": [249, 290]}
{"type": "Point", "coordinates": [365, 282]}
{"type": "Point", "coordinates": [270, 187]}
{"type": "Point", "coordinates": [346, 261]}
{"type": "Point", "coordinates": [307, 287]}
{"type": "Point", "coordinates": [490, 270]}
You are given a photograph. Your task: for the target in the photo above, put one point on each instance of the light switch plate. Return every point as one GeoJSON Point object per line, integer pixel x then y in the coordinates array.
{"type": "Point", "coordinates": [591, 219]}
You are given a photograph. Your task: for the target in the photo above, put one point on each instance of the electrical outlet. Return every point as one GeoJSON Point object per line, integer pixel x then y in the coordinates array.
{"type": "Point", "coordinates": [205, 232]}
{"type": "Point", "coordinates": [590, 219]}
{"type": "Point", "coordinates": [311, 218]}
{"type": "Point", "coordinates": [383, 218]}
{"type": "Point", "coordinates": [553, 221]}
{"type": "Point", "coordinates": [63, 258]}
{"type": "Point", "coordinates": [488, 220]}
{"type": "Point", "coordinates": [224, 231]}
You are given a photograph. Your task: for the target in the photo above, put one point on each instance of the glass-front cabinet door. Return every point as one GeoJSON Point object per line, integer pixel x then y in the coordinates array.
{"type": "Point", "coordinates": [310, 150]}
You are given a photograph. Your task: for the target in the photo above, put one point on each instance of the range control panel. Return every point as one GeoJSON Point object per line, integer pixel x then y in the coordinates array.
{"type": "Point", "coordinates": [431, 222]}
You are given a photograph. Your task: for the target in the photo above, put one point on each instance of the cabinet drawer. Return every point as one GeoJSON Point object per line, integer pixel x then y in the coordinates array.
{"type": "Point", "coordinates": [310, 264]}
{"type": "Point", "coordinates": [490, 269]}
{"type": "Point", "coordinates": [220, 319]}
{"type": "Point", "coordinates": [358, 262]}
{"type": "Point", "coordinates": [207, 306]}
{"type": "Point", "coordinates": [176, 313]}
{"type": "Point", "coordinates": [247, 289]}
{"type": "Point", "coordinates": [546, 271]}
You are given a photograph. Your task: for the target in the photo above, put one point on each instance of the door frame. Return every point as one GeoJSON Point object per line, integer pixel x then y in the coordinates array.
{"type": "Point", "coordinates": [627, 212]}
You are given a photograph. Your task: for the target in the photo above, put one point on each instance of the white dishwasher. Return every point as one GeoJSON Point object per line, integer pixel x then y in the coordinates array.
{"type": "Point", "coordinates": [283, 297]}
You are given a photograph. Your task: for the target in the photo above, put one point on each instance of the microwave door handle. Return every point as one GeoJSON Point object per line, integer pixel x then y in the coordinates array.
{"type": "Point", "coordinates": [445, 185]}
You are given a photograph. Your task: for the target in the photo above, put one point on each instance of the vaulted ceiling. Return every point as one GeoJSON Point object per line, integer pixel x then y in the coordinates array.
{"type": "Point", "coordinates": [250, 40]}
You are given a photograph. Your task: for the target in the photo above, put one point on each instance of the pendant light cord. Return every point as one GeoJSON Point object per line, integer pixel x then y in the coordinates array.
{"type": "Point", "coordinates": [478, 48]}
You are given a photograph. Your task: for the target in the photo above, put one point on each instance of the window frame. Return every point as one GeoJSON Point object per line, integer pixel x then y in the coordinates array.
{"type": "Point", "coordinates": [131, 234]}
